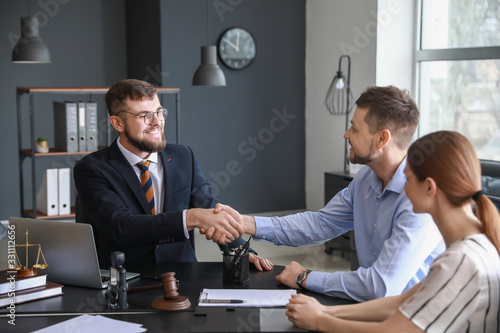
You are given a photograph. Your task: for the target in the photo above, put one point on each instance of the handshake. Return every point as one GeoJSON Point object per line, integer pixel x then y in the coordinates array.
{"type": "Point", "coordinates": [222, 224]}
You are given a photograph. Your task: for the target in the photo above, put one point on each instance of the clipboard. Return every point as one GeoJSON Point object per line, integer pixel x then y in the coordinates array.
{"type": "Point", "coordinates": [252, 297]}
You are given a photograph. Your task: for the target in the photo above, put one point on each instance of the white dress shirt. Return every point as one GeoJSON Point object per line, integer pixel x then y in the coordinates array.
{"type": "Point", "coordinates": [157, 175]}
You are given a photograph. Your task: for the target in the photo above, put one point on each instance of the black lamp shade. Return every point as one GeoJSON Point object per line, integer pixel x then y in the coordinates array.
{"type": "Point", "coordinates": [30, 48]}
{"type": "Point", "coordinates": [209, 73]}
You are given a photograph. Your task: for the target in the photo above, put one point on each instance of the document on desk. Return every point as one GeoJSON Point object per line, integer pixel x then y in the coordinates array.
{"type": "Point", "coordinates": [93, 324]}
{"type": "Point", "coordinates": [245, 297]}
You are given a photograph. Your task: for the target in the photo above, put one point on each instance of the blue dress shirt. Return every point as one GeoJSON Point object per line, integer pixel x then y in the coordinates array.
{"type": "Point", "coordinates": [395, 246]}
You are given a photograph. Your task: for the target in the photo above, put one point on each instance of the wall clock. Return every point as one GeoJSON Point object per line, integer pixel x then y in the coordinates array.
{"type": "Point", "coordinates": [236, 48]}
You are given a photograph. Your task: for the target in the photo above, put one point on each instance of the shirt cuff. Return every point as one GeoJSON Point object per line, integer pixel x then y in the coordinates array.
{"type": "Point", "coordinates": [186, 233]}
{"type": "Point", "coordinates": [315, 280]}
{"type": "Point", "coordinates": [263, 228]}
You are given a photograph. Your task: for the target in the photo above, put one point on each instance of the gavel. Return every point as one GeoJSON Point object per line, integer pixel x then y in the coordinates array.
{"type": "Point", "coordinates": [171, 300]}
{"type": "Point", "coordinates": [168, 283]}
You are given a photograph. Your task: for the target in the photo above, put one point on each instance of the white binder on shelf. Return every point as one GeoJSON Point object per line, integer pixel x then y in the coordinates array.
{"type": "Point", "coordinates": [65, 126]}
{"type": "Point", "coordinates": [82, 140]}
{"type": "Point", "coordinates": [91, 128]}
{"type": "Point", "coordinates": [47, 196]}
{"type": "Point", "coordinates": [64, 194]}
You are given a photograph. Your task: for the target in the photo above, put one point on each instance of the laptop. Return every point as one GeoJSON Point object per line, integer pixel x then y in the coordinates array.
{"type": "Point", "coordinates": [69, 250]}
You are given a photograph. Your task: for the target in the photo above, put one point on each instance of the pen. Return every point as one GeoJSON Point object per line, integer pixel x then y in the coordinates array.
{"type": "Point", "coordinates": [233, 266]}
{"type": "Point", "coordinates": [223, 301]}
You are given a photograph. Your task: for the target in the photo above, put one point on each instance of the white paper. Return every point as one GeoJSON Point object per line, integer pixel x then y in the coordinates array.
{"type": "Point", "coordinates": [252, 297]}
{"type": "Point", "coordinates": [93, 324]}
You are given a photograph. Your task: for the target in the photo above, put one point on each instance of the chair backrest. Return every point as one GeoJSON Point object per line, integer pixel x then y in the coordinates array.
{"type": "Point", "coordinates": [490, 178]}
{"type": "Point", "coordinates": [82, 217]}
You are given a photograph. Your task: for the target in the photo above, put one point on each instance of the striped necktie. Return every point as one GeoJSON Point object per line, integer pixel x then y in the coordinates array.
{"type": "Point", "coordinates": [147, 184]}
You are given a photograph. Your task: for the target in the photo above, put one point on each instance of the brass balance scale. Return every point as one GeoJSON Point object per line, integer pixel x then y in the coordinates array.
{"type": "Point", "coordinates": [26, 270]}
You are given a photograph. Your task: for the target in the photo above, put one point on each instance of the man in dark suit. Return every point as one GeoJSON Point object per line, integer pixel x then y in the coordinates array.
{"type": "Point", "coordinates": [147, 212]}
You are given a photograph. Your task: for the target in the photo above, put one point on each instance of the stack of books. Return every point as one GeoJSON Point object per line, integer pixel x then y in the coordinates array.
{"type": "Point", "coordinates": [15, 289]}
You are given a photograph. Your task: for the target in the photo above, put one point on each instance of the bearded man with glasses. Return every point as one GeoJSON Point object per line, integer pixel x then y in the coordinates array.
{"type": "Point", "coordinates": [145, 197]}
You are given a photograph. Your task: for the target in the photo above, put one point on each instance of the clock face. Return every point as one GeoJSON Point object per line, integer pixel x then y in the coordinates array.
{"type": "Point", "coordinates": [236, 48]}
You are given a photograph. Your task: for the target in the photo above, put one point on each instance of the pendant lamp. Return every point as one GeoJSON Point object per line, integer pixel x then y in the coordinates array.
{"type": "Point", "coordinates": [30, 48]}
{"type": "Point", "coordinates": [209, 73]}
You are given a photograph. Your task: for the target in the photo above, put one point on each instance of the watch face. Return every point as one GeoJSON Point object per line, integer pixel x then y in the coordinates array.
{"type": "Point", "coordinates": [236, 48]}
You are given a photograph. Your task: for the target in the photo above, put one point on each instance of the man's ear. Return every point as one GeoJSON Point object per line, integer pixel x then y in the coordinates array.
{"type": "Point", "coordinates": [118, 123]}
{"type": "Point", "coordinates": [383, 139]}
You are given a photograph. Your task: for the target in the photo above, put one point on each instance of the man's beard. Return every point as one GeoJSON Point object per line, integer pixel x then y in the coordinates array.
{"type": "Point", "coordinates": [370, 157]}
{"type": "Point", "coordinates": [144, 145]}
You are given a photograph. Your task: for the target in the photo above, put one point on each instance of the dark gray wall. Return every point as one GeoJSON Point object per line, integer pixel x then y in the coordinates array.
{"type": "Point", "coordinates": [249, 136]}
{"type": "Point", "coordinates": [87, 40]}
{"type": "Point", "coordinates": [87, 44]}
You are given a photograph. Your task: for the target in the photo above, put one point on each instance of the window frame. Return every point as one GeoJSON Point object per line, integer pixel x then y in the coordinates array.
{"type": "Point", "coordinates": [446, 54]}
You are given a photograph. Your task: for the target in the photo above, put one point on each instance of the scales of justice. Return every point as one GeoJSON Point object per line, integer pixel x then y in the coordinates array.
{"type": "Point", "coordinates": [26, 270]}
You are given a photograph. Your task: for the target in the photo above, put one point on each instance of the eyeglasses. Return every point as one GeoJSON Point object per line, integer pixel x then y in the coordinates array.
{"type": "Point", "coordinates": [148, 117]}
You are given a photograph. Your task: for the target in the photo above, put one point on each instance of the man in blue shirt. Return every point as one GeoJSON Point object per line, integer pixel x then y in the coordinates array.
{"type": "Point", "coordinates": [395, 246]}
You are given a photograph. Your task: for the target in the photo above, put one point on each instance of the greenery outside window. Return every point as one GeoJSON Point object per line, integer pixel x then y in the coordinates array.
{"type": "Point", "coordinates": [458, 70]}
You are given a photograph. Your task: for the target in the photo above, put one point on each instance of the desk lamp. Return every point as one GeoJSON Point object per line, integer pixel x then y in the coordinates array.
{"type": "Point", "coordinates": [338, 100]}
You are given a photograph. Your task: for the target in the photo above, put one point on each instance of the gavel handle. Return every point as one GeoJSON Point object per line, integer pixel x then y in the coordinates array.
{"type": "Point", "coordinates": [139, 289]}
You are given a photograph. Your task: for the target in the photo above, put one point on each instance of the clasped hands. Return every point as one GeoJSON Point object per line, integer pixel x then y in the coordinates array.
{"type": "Point", "coordinates": [219, 235]}
{"type": "Point", "coordinates": [223, 225]}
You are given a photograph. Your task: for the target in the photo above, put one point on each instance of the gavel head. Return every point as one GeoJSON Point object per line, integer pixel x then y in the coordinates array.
{"type": "Point", "coordinates": [169, 285]}
{"type": "Point", "coordinates": [117, 259]}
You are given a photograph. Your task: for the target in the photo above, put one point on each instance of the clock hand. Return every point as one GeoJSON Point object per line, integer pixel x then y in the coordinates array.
{"type": "Point", "coordinates": [232, 45]}
{"type": "Point", "coordinates": [237, 41]}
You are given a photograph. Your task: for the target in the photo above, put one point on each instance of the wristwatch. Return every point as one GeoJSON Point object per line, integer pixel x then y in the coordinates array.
{"type": "Point", "coordinates": [301, 277]}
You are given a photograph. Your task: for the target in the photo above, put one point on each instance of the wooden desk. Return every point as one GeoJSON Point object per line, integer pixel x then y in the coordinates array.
{"type": "Point", "coordinates": [193, 277]}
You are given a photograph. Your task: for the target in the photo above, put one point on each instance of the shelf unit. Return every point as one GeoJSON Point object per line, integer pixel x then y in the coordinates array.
{"type": "Point", "coordinates": [30, 153]}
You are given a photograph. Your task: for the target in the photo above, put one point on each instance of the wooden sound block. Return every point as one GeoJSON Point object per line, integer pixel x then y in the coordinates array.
{"type": "Point", "coordinates": [171, 304]}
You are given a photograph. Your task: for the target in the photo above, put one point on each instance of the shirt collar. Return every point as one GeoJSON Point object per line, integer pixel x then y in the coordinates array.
{"type": "Point", "coordinates": [397, 182]}
{"type": "Point", "coordinates": [132, 158]}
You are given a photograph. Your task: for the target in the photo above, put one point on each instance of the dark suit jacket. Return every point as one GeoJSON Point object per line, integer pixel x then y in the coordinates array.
{"type": "Point", "coordinates": [115, 205]}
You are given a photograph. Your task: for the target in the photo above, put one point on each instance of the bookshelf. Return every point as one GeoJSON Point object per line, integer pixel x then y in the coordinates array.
{"type": "Point", "coordinates": [27, 151]}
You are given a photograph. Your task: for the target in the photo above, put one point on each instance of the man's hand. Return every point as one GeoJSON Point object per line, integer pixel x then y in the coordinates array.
{"type": "Point", "coordinates": [218, 236]}
{"type": "Point", "coordinates": [289, 275]}
{"type": "Point", "coordinates": [228, 209]}
{"type": "Point", "coordinates": [305, 312]}
{"type": "Point", "coordinates": [226, 227]}
{"type": "Point", "coordinates": [260, 262]}
{"type": "Point", "coordinates": [248, 222]}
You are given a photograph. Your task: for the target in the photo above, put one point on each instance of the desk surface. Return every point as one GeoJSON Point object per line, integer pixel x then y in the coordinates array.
{"type": "Point", "coordinates": [193, 277]}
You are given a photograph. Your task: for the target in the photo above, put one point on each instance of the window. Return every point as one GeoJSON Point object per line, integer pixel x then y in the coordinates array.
{"type": "Point", "coordinates": [458, 70]}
